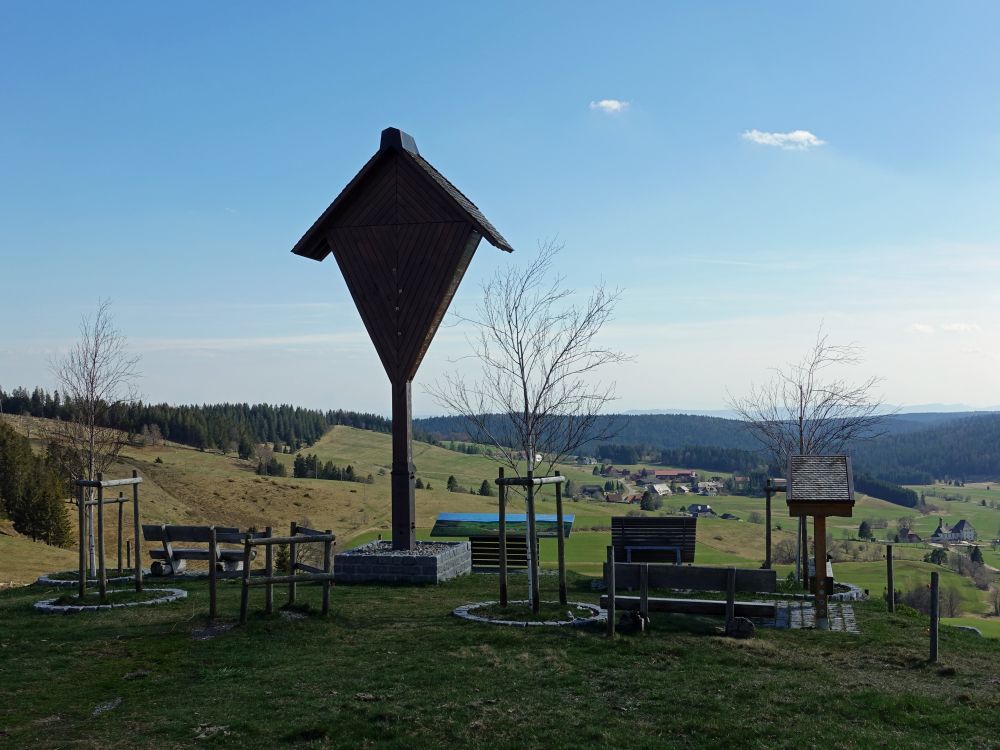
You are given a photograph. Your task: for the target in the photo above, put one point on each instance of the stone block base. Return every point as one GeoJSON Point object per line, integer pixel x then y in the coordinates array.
{"type": "Point", "coordinates": [377, 562]}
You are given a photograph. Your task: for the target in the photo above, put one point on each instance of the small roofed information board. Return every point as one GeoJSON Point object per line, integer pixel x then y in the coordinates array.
{"type": "Point", "coordinates": [820, 486]}
{"type": "Point", "coordinates": [488, 524]}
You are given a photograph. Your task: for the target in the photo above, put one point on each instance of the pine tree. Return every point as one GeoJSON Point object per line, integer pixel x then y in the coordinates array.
{"type": "Point", "coordinates": [484, 489]}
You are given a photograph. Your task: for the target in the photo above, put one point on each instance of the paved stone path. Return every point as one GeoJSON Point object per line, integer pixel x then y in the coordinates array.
{"type": "Point", "coordinates": [798, 614]}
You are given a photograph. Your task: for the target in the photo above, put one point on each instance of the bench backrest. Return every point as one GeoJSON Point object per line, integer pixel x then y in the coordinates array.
{"type": "Point", "coordinates": [696, 578]}
{"type": "Point", "coordinates": [223, 534]}
{"type": "Point", "coordinates": [638, 532]}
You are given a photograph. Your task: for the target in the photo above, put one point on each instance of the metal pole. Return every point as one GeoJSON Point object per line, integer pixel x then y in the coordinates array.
{"type": "Point", "coordinates": [891, 600]}
{"type": "Point", "coordinates": [935, 615]}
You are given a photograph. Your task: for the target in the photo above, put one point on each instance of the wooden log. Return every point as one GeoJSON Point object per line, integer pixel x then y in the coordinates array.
{"type": "Point", "coordinates": [503, 538]}
{"type": "Point", "coordinates": [531, 481]}
{"type": "Point", "coordinates": [712, 607]}
{"type": "Point", "coordinates": [532, 550]}
{"type": "Point", "coordinates": [730, 595]}
{"type": "Point", "coordinates": [128, 553]}
{"type": "Point", "coordinates": [213, 573]}
{"type": "Point", "coordinates": [268, 573]}
{"type": "Point", "coordinates": [294, 539]}
{"type": "Point", "coordinates": [291, 561]}
{"type": "Point", "coordinates": [935, 615]}
{"type": "Point", "coordinates": [328, 566]}
{"type": "Point", "coordinates": [245, 594]}
{"type": "Point", "coordinates": [612, 596]}
{"type": "Point", "coordinates": [121, 510]}
{"type": "Point", "coordinates": [303, 578]}
{"type": "Point", "coordinates": [767, 527]}
{"type": "Point", "coordinates": [561, 544]}
{"type": "Point", "coordinates": [82, 515]}
{"type": "Point", "coordinates": [889, 581]}
{"type": "Point", "coordinates": [102, 573]}
{"type": "Point", "coordinates": [111, 482]}
{"type": "Point", "coordinates": [138, 542]}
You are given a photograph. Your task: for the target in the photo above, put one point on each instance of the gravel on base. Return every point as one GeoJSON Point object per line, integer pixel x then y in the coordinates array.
{"type": "Point", "coordinates": [385, 548]}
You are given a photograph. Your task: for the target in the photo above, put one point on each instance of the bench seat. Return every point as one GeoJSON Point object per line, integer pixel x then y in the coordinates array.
{"type": "Point", "coordinates": [199, 554]}
{"type": "Point", "coordinates": [695, 606]}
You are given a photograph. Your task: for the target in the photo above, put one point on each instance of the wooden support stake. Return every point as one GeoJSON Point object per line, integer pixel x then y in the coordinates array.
{"type": "Point", "coordinates": [81, 508]}
{"type": "Point", "coordinates": [643, 590]}
{"type": "Point", "coordinates": [245, 597]}
{"type": "Point", "coordinates": [121, 511]}
{"type": "Point", "coordinates": [268, 573]}
{"type": "Point", "coordinates": [767, 528]}
{"type": "Point", "coordinates": [128, 553]}
{"type": "Point", "coordinates": [532, 550]}
{"type": "Point", "coordinates": [291, 563]}
{"type": "Point", "coordinates": [102, 577]}
{"type": "Point", "coordinates": [730, 595]}
{"type": "Point", "coordinates": [213, 563]}
{"type": "Point", "coordinates": [561, 544]}
{"type": "Point", "coordinates": [328, 567]}
{"type": "Point", "coordinates": [891, 599]}
{"type": "Point", "coordinates": [611, 592]}
{"type": "Point", "coordinates": [503, 539]}
{"type": "Point", "coordinates": [138, 535]}
{"type": "Point", "coordinates": [822, 607]}
{"type": "Point", "coordinates": [935, 615]}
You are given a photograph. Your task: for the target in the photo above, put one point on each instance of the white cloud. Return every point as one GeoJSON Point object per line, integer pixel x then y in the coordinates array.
{"type": "Point", "coordinates": [922, 328]}
{"type": "Point", "coordinates": [611, 106]}
{"type": "Point", "coordinates": [796, 140]}
{"type": "Point", "coordinates": [960, 327]}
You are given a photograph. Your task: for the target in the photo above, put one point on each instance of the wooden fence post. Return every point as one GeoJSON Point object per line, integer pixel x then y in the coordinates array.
{"type": "Point", "coordinates": [138, 534]}
{"type": "Point", "coordinates": [561, 544]}
{"type": "Point", "coordinates": [245, 596]}
{"type": "Point", "coordinates": [730, 596]}
{"type": "Point", "coordinates": [935, 615]}
{"type": "Point", "coordinates": [532, 546]}
{"type": "Point", "coordinates": [328, 569]}
{"type": "Point", "coordinates": [102, 573]}
{"type": "Point", "coordinates": [269, 572]}
{"type": "Point", "coordinates": [611, 592]}
{"type": "Point", "coordinates": [292, 547]}
{"type": "Point", "coordinates": [213, 561]}
{"type": "Point", "coordinates": [891, 600]}
{"type": "Point", "coordinates": [81, 508]}
{"type": "Point", "coordinates": [767, 527]}
{"type": "Point", "coordinates": [503, 539]}
{"type": "Point", "coordinates": [121, 511]}
{"type": "Point", "coordinates": [128, 553]}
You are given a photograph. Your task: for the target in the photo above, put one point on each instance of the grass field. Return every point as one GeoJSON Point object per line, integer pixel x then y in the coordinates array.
{"type": "Point", "coordinates": [391, 668]}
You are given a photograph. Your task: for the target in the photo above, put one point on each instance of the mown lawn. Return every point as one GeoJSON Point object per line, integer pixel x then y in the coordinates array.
{"type": "Point", "coordinates": [390, 667]}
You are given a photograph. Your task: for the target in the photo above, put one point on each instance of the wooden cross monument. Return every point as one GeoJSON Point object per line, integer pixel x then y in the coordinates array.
{"type": "Point", "coordinates": [403, 236]}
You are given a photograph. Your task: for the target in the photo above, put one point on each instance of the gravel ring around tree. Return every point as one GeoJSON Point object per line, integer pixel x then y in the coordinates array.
{"type": "Point", "coordinates": [466, 612]}
{"type": "Point", "coordinates": [49, 606]}
{"type": "Point", "coordinates": [46, 579]}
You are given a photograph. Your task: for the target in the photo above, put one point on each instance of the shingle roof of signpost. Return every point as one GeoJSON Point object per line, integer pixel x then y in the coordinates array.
{"type": "Point", "coordinates": [820, 479]}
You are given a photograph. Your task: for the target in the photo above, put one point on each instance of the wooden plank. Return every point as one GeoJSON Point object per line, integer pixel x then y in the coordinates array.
{"type": "Point", "coordinates": [304, 578]}
{"type": "Point", "coordinates": [310, 568]}
{"type": "Point", "coordinates": [108, 483]}
{"type": "Point", "coordinates": [303, 531]}
{"type": "Point", "coordinates": [694, 606]}
{"type": "Point", "coordinates": [696, 578]}
{"type": "Point", "coordinates": [296, 539]}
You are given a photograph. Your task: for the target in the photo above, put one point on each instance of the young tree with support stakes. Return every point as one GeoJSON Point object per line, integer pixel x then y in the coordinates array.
{"type": "Point", "coordinates": [807, 408]}
{"type": "Point", "coordinates": [97, 378]}
{"type": "Point", "coordinates": [536, 399]}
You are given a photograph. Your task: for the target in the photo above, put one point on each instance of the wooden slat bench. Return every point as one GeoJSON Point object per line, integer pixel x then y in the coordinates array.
{"type": "Point", "coordinates": [172, 560]}
{"type": "Point", "coordinates": [656, 540]}
{"type": "Point", "coordinates": [486, 552]}
{"type": "Point", "coordinates": [696, 578]}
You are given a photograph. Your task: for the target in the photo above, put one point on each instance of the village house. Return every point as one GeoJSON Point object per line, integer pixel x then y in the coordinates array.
{"type": "Point", "coordinates": [700, 511]}
{"type": "Point", "coordinates": [709, 488]}
{"type": "Point", "coordinates": [675, 475]}
{"type": "Point", "coordinates": [960, 532]}
{"type": "Point", "coordinates": [660, 490]}
{"type": "Point", "coordinates": [592, 490]}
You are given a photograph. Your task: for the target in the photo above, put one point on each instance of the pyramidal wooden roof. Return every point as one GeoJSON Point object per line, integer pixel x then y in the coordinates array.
{"type": "Point", "coordinates": [820, 479]}
{"type": "Point", "coordinates": [403, 236]}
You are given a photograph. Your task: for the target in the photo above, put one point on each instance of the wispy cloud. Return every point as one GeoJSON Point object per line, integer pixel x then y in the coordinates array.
{"type": "Point", "coordinates": [796, 140]}
{"type": "Point", "coordinates": [922, 328]}
{"type": "Point", "coordinates": [960, 327]}
{"type": "Point", "coordinates": [611, 106]}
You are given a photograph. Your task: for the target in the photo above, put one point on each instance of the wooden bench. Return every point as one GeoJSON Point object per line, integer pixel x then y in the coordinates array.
{"type": "Point", "coordinates": [486, 552]}
{"type": "Point", "coordinates": [172, 560]}
{"type": "Point", "coordinates": [655, 540]}
{"type": "Point", "coordinates": [695, 578]}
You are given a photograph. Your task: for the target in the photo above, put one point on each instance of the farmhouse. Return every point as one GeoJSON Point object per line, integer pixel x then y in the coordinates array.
{"type": "Point", "coordinates": [960, 532]}
{"type": "Point", "coordinates": [700, 510]}
{"type": "Point", "coordinates": [594, 490]}
{"type": "Point", "coordinates": [675, 475]}
{"type": "Point", "coordinates": [660, 490]}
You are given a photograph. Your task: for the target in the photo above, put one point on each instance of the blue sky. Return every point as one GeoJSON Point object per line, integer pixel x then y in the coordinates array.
{"type": "Point", "coordinates": [169, 156]}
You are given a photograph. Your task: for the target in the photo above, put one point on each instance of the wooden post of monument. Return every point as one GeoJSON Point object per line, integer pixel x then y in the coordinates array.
{"type": "Point", "coordinates": [767, 525]}
{"type": "Point", "coordinates": [404, 525]}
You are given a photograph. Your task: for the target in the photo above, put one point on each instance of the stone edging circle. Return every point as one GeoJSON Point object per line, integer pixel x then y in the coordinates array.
{"type": "Point", "coordinates": [49, 605]}
{"type": "Point", "coordinates": [466, 612]}
{"type": "Point", "coordinates": [45, 580]}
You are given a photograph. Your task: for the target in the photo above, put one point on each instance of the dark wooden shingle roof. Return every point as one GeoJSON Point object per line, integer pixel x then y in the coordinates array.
{"type": "Point", "coordinates": [820, 479]}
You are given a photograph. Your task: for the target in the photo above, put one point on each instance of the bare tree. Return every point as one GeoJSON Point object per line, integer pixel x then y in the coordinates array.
{"type": "Point", "coordinates": [807, 409]}
{"type": "Point", "coordinates": [537, 399]}
{"type": "Point", "coordinates": [539, 352]}
{"type": "Point", "coordinates": [97, 378]}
